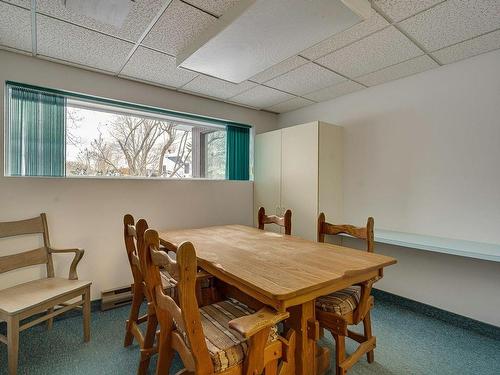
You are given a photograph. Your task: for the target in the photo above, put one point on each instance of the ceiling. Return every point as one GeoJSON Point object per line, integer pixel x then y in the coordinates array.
{"type": "Point", "coordinates": [401, 38]}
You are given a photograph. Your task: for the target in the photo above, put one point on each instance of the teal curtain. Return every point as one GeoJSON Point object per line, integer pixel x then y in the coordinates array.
{"type": "Point", "coordinates": [36, 139]}
{"type": "Point", "coordinates": [237, 153]}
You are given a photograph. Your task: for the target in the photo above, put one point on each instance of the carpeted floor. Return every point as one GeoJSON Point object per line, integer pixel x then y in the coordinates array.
{"type": "Point", "coordinates": [407, 343]}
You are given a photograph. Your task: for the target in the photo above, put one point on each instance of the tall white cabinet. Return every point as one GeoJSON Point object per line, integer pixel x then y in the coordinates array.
{"type": "Point", "coordinates": [300, 168]}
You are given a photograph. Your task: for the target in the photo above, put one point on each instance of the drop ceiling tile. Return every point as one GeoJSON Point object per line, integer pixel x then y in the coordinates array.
{"type": "Point", "coordinates": [261, 97]}
{"type": "Point", "coordinates": [64, 41]}
{"type": "Point", "coordinates": [404, 69]}
{"type": "Point", "coordinates": [215, 7]}
{"type": "Point", "coordinates": [290, 105]}
{"type": "Point", "coordinates": [305, 79]}
{"type": "Point", "coordinates": [15, 27]}
{"type": "Point", "coordinates": [216, 87]}
{"type": "Point", "coordinates": [141, 15]}
{"type": "Point", "coordinates": [335, 91]}
{"type": "Point", "coordinates": [453, 21]}
{"type": "Point", "coordinates": [280, 68]}
{"type": "Point", "coordinates": [22, 3]}
{"type": "Point", "coordinates": [469, 48]}
{"type": "Point", "coordinates": [384, 48]}
{"type": "Point", "coordinates": [354, 33]}
{"type": "Point", "coordinates": [398, 10]}
{"type": "Point", "coordinates": [179, 24]}
{"type": "Point", "coordinates": [156, 67]}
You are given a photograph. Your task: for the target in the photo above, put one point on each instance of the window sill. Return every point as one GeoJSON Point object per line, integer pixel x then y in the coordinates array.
{"type": "Point", "coordinates": [122, 178]}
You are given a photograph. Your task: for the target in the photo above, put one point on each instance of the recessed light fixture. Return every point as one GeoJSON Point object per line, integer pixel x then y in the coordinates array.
{"type": "Point", "coordinates": [257, 34]}
{"type": "Point", "coordinates": [111, 12]}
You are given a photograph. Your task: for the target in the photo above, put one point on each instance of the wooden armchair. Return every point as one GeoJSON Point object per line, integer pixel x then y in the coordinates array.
{"type": "Point", "coordinates": [224, 338]}
{"type": "Point", "coordinates": [349, 306]}
{"type": "Point", "coordinates": [34, 297]}
{"type": "Point", "coordinates": [134, 237]}
{"type": "Point", "coordinates": [282, 221]}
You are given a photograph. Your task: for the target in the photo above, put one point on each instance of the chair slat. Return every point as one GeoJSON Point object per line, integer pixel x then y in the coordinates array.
{"type": "Point", "coordinates": [168, 304]}
{"type": "Point", "coordinates": [282, 221]}
{"type": "Point", "coordinates": [273, 219]}
{"type": "Point", "coordinates": [351, 230]}
{"type": "Point", "coordinates": [162, 259]}
{"type": "Point", "coordinates": [17, 228]}
{"type": "Point", "coordinates": [131, 231]}
{"type": "Point", "coordinates": [363, 233]}
{"type": "Point", "coordinates": [24, 259]}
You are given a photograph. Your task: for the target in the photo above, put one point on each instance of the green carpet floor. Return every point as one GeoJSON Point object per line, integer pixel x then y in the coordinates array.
{"type": "Point", "coordinates": [407, 343]}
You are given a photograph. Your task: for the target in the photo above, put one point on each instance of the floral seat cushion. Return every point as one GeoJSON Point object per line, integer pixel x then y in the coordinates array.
{"type": "Point", "coordinates": [226, 346]}
{"type": "Point", "coordinates": [342, 302]}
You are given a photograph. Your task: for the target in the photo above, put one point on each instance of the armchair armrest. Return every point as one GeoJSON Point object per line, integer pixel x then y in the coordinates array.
{"type": "Point", "coordinates": [78, 256]}
{"type": "Point", "coordinates": [249, 325]}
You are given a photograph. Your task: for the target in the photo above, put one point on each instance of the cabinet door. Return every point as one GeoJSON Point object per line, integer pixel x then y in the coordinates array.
{"type": "Point", "coordinates": [299, 183]}
{"type": "Point", "coordinates": [267, 173]}
{"type": "Point", "coordinates": [331, 164]}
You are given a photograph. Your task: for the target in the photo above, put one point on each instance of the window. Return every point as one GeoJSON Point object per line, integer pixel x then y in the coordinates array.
{"type": "Point", "coordinates": [53, 133]}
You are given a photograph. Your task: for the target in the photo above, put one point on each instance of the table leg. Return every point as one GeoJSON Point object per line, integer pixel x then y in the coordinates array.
{"type": "Point", "coordinates": [322, 360]}
{"type": "Point", "coordinates": [302, 319]}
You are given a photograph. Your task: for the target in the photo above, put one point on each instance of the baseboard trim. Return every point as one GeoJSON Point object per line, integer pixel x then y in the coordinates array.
{"type": "Point", "coordinates": [461, 321]}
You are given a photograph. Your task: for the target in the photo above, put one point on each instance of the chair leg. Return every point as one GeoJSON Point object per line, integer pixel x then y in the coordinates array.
{"type": "Point", "coordinates": [165, 352]}
{"type": "Point", "coordinates": [339, 353]}
{"type": "Point", "coordinates": [137, 298]}
{"type": "Point", "coordinates": [149, 340]}
{"type": "Point", "coordinates": [367, 326]}
{"type": "Point", "coordinates": [50, 322]}
{"type": "Point", "coordinates": [86, 315]}
{"type": "Point", "coordinates": [13, 343]}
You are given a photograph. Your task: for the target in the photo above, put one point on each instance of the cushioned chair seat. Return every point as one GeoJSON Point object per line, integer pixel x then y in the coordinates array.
{"type": "Point", "coordinates": [227, 347]}
{"type": "Point", "coordinates": [342, 302]}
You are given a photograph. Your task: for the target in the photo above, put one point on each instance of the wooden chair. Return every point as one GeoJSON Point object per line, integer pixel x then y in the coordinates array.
{"type": "Point", "coordinates": [223, 338]}
{"type": "Point", "coordinates": [49, 294]}
{"type": "Point", "coordinates": [349, 306]}
{"type": "Point", "coordinates": [283, 221]}
{"type": "Point", "coordinates": [134, 235]}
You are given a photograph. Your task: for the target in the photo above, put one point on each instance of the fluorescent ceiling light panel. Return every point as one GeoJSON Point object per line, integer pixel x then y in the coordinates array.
{"type": "Point", "coordinates": [111, 12]}
{"type": "Point", "coordinates": [257, 34]}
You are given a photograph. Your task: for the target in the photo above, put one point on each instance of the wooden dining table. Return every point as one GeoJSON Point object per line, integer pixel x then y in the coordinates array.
{"type": "Point", "coordinates": [282, 271]}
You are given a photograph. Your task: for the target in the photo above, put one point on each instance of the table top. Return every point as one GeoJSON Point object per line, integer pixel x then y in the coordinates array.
{"type": "Point", "coordinates": [276, 265]}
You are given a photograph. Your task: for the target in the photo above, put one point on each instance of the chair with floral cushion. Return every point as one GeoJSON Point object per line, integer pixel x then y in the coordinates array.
{"type": "Point", "coordinates": [350, 306]}
{"type": "Point", "coordinates": [226, 337]}
{"type": "Point", "coordinates": [133, 235]}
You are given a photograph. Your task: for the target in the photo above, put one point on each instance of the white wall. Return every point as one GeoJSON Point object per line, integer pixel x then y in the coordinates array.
{"type": "Point", "coordinates": [422, 155]}
{"type": "Point", "coordinates": [88, 213]}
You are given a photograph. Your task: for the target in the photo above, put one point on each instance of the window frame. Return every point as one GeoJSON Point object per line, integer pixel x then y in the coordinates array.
{"type": "Point", "coordinates": [123, 107]}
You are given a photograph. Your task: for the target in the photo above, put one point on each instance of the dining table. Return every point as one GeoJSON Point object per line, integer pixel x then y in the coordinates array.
{"type": "Point", "coordinates": [285, 272]}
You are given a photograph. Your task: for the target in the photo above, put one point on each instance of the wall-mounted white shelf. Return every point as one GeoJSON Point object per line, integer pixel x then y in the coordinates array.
{"type": "Point", "coordinates": [470, 249]}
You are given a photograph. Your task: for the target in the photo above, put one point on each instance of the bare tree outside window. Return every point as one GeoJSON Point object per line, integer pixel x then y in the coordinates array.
{"type": "Point", "coordinates": [216, 155]}
{"type": "Point", "coordinates": [110, 144]}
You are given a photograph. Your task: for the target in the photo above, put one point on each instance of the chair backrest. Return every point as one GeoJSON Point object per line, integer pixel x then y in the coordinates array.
{"type": "Point", "coordinates": [283, 221]}
{"type": "Point", "coordinates": [364, 233]}
{"type": "Point", "coordinates": [36, 225]}
{"type": "Point", "coordinates": [130, 237]}
{"type": "Point", "coordinates": [183, 319]}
